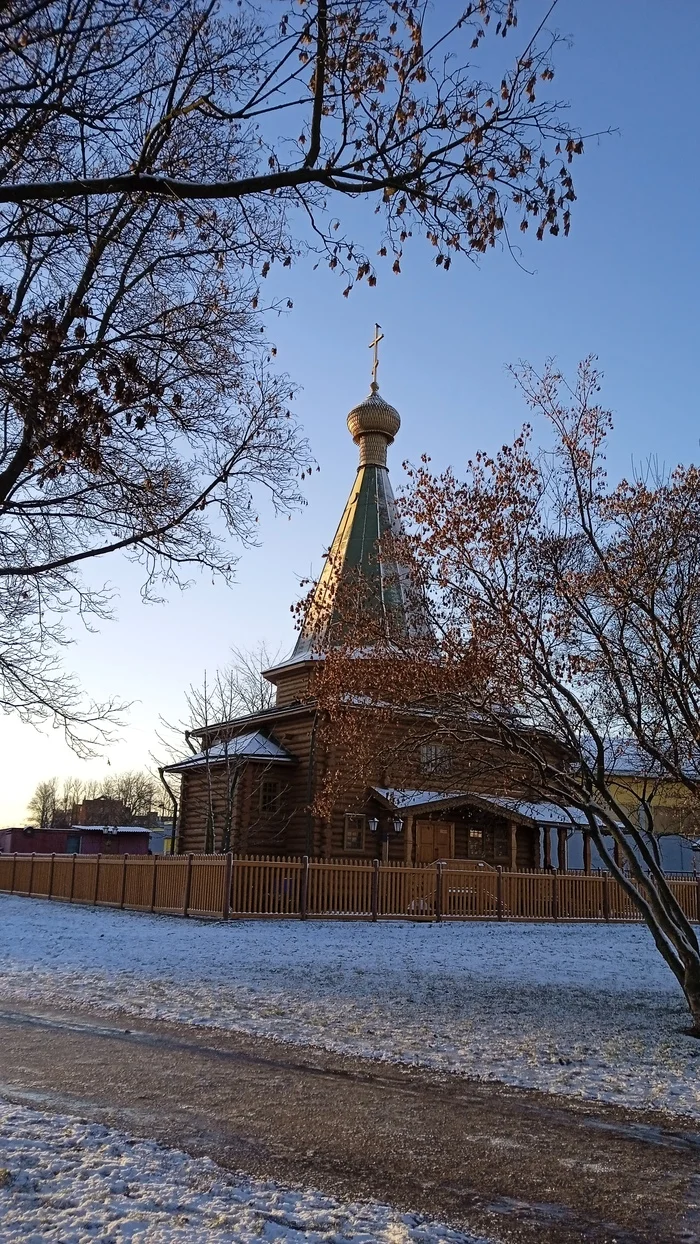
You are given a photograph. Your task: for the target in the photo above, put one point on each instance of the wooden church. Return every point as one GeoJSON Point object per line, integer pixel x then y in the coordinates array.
{"type": "Point", "coordinates": [252, 788]}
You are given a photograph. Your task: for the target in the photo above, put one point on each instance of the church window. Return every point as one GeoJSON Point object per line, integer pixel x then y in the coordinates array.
{"type": "Point", "coordinates": [270, 797]}
{"type": "Point", "coordinates": [476, 843]}
{"type": "Point", "coordinates": [354, 831]}
{"type": "Point", "coordinates": [436, 759]}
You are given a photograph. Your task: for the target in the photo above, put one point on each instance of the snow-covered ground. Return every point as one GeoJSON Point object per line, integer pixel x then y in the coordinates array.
{"type": "Point", "coordinates": [589, 1010]}
{"type": "Point", "coordinates": [72, 1182]}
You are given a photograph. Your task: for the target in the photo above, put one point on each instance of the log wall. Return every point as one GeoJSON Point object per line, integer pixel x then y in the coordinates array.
{"type": "Point", "coordinates": [296, 830]}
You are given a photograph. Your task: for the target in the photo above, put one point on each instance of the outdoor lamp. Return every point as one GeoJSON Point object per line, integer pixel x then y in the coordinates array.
{"type": "Point", "coordinates": [398, 824]}
{"type": "Point", "coordinates": [373, 824]}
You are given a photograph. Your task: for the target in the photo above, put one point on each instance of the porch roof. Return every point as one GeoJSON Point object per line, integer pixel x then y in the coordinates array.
{"type": "Point", "coordinates": [253, 746]}
{"type": "Point", "coordinates": [524, 811]}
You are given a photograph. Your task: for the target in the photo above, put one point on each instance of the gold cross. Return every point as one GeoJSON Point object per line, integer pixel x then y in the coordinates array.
{"type": "Point", "coordinates": [373, 345]}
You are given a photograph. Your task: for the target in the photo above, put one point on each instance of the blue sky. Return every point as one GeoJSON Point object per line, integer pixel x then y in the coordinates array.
{"type": "Point", "coordinates": [625, 286]}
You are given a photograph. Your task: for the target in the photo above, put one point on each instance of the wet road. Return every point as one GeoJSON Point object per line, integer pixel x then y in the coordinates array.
{"type": "Point", "coordinates": [519, 1165]}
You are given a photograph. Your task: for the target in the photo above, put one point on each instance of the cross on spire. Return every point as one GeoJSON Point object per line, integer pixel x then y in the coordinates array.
{"type": "Point", "coordinates": [374, 345]}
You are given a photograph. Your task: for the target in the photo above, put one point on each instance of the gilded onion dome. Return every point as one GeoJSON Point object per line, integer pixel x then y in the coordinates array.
{"type": "Point", "coordinates": [373, 424]}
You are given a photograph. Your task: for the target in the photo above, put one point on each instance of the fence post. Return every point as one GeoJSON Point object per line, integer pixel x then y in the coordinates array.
{"type": "Point", "coordinates": [438, 892]}
{"type": "Point", "coordinates": [14, 867]}
{"type": "Point", "coordinates": [153, 884]}
{"type": "Point", "coordinates": [228, 874]}
{"type": "Point", "coordinates": [97, 877]}
{"type": "Point", "coordinates": [31, 875]}
{"type": "Point", "coordinates": [53, 857]}
{"type": "Point", "coordinates": [606, 896]}
{"type": "Point", "coordinates": [122, 896]}
{"type": "Point", "coordinates": [188, 885]}
{"type": "Point", "coordinates": [72, 879]}
{"type": "Point", "coordinates": [304, 896]}
{"type": "Point", "coordinates": [555, 896]}
{"type": "Point", "coordinates": [499, 893]}
{"type": "Point", "coordinates": [375, 890]}
{"type": "Point", "coordinates": [234, 870]}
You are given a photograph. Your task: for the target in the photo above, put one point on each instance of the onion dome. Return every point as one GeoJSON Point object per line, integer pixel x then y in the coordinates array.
{"type": "Point", "coordinates": [373, 424]}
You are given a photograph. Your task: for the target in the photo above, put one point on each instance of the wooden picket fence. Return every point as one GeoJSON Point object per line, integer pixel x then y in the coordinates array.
{"type": "Point", "coordinates": [227, 886]}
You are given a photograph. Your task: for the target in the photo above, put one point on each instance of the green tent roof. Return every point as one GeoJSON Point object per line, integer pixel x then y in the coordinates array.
{"type": "Point", "coordinates": [357, 553]}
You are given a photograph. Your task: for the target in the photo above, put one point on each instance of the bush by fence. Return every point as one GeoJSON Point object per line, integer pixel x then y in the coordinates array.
{"type": "Point", "coordinates": [227, 886]}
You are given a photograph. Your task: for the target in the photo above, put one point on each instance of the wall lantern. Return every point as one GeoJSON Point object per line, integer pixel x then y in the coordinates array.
{"type": "Point", "coordinates": [373, 824]}
{"type": "Point", "coordinates": [398, 824]}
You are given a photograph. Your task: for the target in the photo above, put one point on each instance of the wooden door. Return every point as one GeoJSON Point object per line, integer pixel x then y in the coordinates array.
{"type": "Point", "coordinates": [434, 841]}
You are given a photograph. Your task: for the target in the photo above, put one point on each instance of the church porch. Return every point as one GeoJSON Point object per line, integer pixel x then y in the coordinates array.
{"type": "Point", "coordinates": [487, 830]}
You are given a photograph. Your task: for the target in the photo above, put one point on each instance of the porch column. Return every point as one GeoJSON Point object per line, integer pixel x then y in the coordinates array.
{"type": "Point", "coordinates": [408, 839]}
{"type": "Point", "coordinates": [513, 830]}
{"type": "Point", "coordinates": [561, 848]}
{"type": "Point", "coordinates": [547, 847]}
{"type": "Point", "coordinates": [617, 853]}
{"type": "Point", "coordinates": [586, 852]}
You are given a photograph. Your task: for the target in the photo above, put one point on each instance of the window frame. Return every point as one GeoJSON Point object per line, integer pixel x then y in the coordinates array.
{"type": "Point", "coordinates": [269, 813]}
{"type": "Point", "coordinates": [362, 818]}
{"type": "Point", "coordinates": [436, 759]}
{"type": "Point", "coordinates": [476, 834]}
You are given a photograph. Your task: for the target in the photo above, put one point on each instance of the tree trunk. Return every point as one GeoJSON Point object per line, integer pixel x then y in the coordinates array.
{"type": "Point", "coordinates": [691, 989]}
{"type": "Point", "coordinates": [209, 839]}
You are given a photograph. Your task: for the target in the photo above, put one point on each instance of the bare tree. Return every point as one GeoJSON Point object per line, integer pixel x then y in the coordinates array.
{"type": "Point", "coordinates": [566, 630]}
{"type": "Point", "coordinates": [319, 99]}
{"type": "Point", "coordinates": [219, 760]}
{"type": "Point", "coordinates": [135, 788]}
{"type": "Point", "coordinates": [42, 805]}
{"type": "Point", "coordinates": [139, 413]}
{"type": "Point", "coordinates": [238, 689]}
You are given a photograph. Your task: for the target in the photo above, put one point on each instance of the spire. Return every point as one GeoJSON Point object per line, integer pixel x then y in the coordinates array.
{"type": "Point", "coordinates": [369, 517]}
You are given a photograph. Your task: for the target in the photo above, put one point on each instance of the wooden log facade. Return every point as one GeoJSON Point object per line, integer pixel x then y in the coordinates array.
{"type": "Point", "coordinates": [264, 806]}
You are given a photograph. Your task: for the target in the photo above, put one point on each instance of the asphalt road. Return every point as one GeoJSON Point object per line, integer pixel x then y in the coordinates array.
{"type": "Point", "coordinates": [520, 1165]}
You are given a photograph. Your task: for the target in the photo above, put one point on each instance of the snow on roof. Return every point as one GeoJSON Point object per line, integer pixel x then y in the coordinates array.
{"type": "Point", "coordinates": [542, 813]}
{"type": "Point", "coordinates": [110, 829]}
{"type": "Point", "coordinates": [416, 798]}
{"type": "Point", "coordinates": [625, 758]}
{"type": "Point", "coordinates": [537, 813]}
{"type": "Point", "coordinates": [254, 746]}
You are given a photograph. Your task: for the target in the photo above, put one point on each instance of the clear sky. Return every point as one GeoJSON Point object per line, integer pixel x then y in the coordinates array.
{"type": "Point", "coordinates": [624, 286]}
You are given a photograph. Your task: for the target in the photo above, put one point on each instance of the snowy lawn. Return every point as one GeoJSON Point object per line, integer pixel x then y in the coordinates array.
{"type": "Point", "coordinates": [72, 1182]}
{"type": "Point", "coordinates": [589, 1010]}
